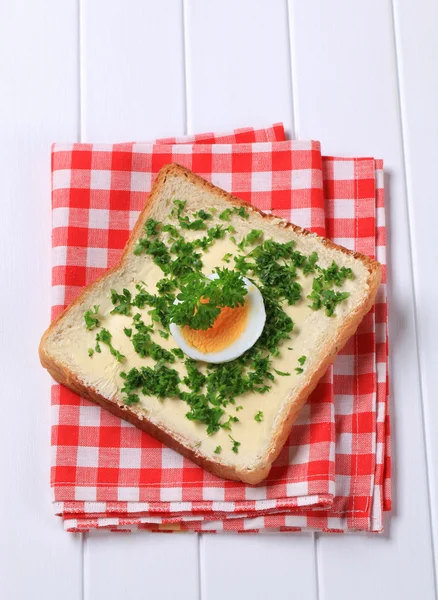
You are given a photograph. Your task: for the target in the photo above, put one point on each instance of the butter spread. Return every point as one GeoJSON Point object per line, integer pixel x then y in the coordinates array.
{"type": "Point", "coordinates": [102, 371]}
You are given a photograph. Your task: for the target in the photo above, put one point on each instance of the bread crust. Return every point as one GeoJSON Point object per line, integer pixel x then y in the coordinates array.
{"type": "Point", "coordinates": [139, 418]}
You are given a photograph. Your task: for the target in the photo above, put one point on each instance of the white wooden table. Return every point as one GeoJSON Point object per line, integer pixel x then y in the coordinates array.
{"type": "Point", "coordinates": [361, 76]}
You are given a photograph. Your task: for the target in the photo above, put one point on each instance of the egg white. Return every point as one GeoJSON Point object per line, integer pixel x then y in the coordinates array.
{"type": "Point", "coordinates": [253, 330]}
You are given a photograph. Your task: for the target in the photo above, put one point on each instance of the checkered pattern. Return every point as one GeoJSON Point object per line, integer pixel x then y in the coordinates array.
{"type": "Point", "coordinates": [246, 135]}
{"type": "Point", "coordinates": [105, 473]}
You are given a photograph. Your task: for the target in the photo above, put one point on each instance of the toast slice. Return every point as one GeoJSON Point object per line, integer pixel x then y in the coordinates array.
{"type": "Point", "coordinates": [245, 440]}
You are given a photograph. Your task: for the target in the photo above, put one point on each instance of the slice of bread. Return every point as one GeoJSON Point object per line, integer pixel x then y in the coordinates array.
{"type": "Point", "coordinates": [64, 346]}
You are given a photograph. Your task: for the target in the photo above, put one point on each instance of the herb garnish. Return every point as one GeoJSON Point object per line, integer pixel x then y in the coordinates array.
{"type": "Point", "coordinates": [202, 411]}
{"type": "Point", "coordinates": [281, 373]}
{"type": "Point", "coordinates": [161, 382]}
{"type": "Point", "coordinates": [253, 236]}
{"type": "Point", "coordinates": [201, 299]}
{"type": "Point", "coordinates": [178, 352]}
{"type": "Point", "coordinates": [122, 302]}
{"type": "Point", "coordinates": [274, 268]}
{"type": "Point", "coordinates": [105, 336]}
{"type": "Point", "coordinates": [227, 424]}
{"type": "Point", "coordinates": [151, 227]}
{"type": "Point", "coordinates": [226, 214]}
{"type": "Point", "coordinates": [322, 295]}
{"type": "Point", "coordinates": [90, 317]}
{"type": "Point", "coordinates": [195, 380]}
{"type": "Point", "coordinates": [144, 345]}
{"type": "Point", "coordinates": [301, 360]}
{"type": "Point", "coordinates": [236, 445]}
{"type": "Point", "coordinates": [218, 450]}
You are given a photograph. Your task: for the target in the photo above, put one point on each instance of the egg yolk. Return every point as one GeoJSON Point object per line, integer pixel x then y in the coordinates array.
{"type": "Point", "coordinates": [227, 328]}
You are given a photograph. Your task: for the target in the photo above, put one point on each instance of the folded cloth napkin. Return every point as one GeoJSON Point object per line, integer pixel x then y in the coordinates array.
{"type": "Point", "coordinates": [331, 473]}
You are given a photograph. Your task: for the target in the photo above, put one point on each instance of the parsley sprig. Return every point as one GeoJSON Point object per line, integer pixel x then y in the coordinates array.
{"type": "Point", "coordinates": [201, 299]}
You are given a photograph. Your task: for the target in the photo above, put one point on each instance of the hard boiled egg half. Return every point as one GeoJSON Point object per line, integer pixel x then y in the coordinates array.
{"type": "Point", "coordinates": [234, 331]}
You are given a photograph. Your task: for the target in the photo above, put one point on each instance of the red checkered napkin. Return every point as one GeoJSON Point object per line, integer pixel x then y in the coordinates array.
{"type": "Point", "coordinates": [106, 473]}
{"type": "Point", "coordinates": [97, 193]}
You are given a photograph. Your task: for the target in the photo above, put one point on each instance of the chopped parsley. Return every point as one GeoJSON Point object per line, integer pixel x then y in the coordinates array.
{"type": "Point", "coordinates": [194, 379]}
{"type": "Point", "coordinates": [278, 325]}
{"type": "Point", "coordinates": [275, 267]}
{"type": "Point", "coordinates": [202, 214]}
{"type": "Point", "coordinates": [160, 305]}
{"type": "Point", "coordinates": [166, 286]}
{"type": "Point", "coordinates": [105, 337]}
{"type": "Point", "coordinates": [122, 302]}
{"type": "Point", "coordinates": [144, 345]}
{"type": "Point", "coordinates": [323, 297]}
{"type": "Point", "coordinates": [336, 275]}
{"type": "Point", "coordinates": [216, 232]}
{"type": "Point", "coordinates": [226, 257]}
{"type": "Point", "coordinates": [218, 450]}
{"type": "Point", "coordinates": [171, 230]}
{"type": "Point", "coordinates": [253, 236]}
{"type": "Point", "coordinates": [281, 373]}
{"type": "Point", "coordinates": [240, 211]}
{"type": "Point", "coordinates": [131, 399]}
{"type": "Point", "coordinates": [151, 227]}
{"type": "Point", "coordinates": [227, 424]}
{"type": "Point", "coordinates": [161, 382]}
{"type": "Point", "coordinates": [90, 317]}
{"type": "Point", "coordinates": [226, 215]}
{"type": "Point", "coordinates": [310, 264]}
{"type": "Point", "coordinates": [202, 411]}
{"type": "Point", "coordinates": [178, 352]}
{"type": "Point", "coordinates": [184, 221]}
{"type": "Point", "coordinates": [280, 277]}
{"type": "Point", "coordinates": [236, 445]}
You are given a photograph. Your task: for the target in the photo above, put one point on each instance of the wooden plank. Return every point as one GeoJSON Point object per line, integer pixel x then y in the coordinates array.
{"type": "Point", "coordinates": [132, 57]}
{"type": "Point", "coordinates": [39, 104]}
{"type": "Point", "coordinates": [238, 74]}
{"type": "Point", "coordinates": [257, 566]}
{"type": "Point", "coordinates": [346, 95]}
{"type": "Point", "coordinates": [238, 66]}
{"type": "Point", "coordinates": [133, 89]}
{"type": "Point", "coordinates": [417, 52]}
{"type": "Point", "coordinates": [152, 565]}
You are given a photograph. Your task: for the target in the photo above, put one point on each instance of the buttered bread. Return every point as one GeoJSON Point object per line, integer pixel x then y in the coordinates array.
{"type": "Point", "coordinates": [214, 327]}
